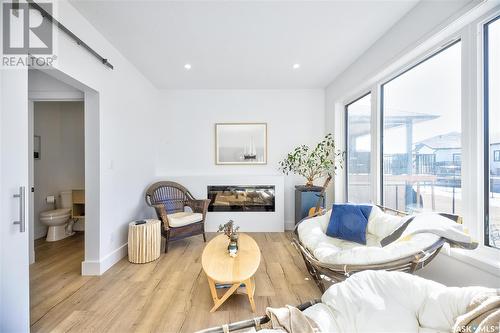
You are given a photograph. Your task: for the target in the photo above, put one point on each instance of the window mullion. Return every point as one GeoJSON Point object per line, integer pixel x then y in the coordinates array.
{"type": "Point", "coordinates": [471, 154]}
{"type": "Point", "coordinates": [376, 145]}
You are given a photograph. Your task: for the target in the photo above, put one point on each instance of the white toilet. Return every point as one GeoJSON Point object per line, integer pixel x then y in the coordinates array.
{"type": "Point", "coordinates": [58, 220]}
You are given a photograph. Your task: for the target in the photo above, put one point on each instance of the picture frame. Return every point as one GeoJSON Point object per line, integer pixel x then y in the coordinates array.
{"type": "Point", "coordinates": [241, 143]}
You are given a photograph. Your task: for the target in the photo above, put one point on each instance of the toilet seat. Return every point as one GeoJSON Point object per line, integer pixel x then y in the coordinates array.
{"type": "Point", "coordinates": [58, 223]}
{"type": "Point", "coordinates": [56, 213]}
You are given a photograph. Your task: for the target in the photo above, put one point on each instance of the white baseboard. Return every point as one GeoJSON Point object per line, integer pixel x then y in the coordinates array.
{"type": "Point", "coordinates": [114, 257]}
{"type": "Point", "coordinates": [289, 225]}
{"type": "Point", "coordinates": [94, 267]}
{"type": "Point", "coordinates": [90, 267]}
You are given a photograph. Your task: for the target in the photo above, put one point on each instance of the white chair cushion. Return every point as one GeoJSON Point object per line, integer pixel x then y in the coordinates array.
{"type": "Point", "coordinates": [366, 255]}
{"type": "Point", "coordinates": [183, 218]}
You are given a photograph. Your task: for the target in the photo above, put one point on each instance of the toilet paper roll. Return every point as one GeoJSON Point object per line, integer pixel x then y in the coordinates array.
{"type": "Point", "coordinates": [50, 199]}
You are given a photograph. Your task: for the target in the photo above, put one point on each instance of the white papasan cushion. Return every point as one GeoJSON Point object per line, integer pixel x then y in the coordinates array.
{"type": "Point", "coordinates": [312, 234]}
{"type": "Point", "coordinates": [381, 301]}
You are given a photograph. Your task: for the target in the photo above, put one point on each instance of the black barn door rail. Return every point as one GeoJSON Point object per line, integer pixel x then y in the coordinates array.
{"type": "Point", "coordinates": [68, 32]}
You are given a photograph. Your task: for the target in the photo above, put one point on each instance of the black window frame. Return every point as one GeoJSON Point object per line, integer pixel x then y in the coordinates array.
{"type": "Point", "coordinates": [486, 130]}
{"type": "Point", "coordinates": [381, 106]}
{"type": "Point", "coordinates": [346, 139]}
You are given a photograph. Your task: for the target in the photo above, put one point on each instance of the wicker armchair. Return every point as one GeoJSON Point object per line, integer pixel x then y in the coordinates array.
{"type": "Point", "coordinates": [169, 200]}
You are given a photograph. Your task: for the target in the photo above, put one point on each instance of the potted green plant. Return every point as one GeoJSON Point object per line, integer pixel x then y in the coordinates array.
{"type": "Point", "coordinates": [312, 163]}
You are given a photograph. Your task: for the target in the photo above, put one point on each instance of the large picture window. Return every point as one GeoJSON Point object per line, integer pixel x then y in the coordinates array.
{"type": "Point", "coordinates": [421, 135]}
{"type": "Point", "coordinates": [492, 132]}
{"type": "Point", "coordinates": [358, 137]}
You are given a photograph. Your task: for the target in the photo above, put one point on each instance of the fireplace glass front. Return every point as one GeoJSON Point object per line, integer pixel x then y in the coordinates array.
{"type": "Point", "coordinates": [241, 198]}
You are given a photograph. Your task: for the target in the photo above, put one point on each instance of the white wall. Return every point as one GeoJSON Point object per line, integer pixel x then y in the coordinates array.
{"type": "Point", "coordinates": [121, 162]}
{"type": "Point", "coordinates": [44, 87]}
{"type": "Point", "coordinates": [453, 272]}
{"type": "Point", "coordinates": [127, 106]}
{"type": "Point", "coordinates": [61, 166]}
{"type": "Point", "coordinates": [186, 136]}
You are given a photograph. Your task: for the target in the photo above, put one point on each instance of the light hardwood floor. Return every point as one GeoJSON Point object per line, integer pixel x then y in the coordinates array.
{"type": "Point", "coordinates": [170, 294]}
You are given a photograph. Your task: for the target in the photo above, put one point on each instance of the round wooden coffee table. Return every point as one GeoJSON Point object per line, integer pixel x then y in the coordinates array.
{"type": "Point", "coordinates": [224, 271]}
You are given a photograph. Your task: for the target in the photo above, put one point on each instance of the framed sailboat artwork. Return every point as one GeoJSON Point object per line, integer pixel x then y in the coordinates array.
{"type": "Point", "coordinates": [240, 143]}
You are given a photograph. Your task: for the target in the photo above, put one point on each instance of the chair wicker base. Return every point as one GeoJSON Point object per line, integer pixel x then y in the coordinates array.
{"type": "Point", "coordinates": [249, 323]}
{"type": "Point", "coordinates": [173, 234]}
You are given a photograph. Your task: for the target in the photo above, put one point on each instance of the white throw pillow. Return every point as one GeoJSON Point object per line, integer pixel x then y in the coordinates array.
{"type": "Point", "coordinates": [383, 224]}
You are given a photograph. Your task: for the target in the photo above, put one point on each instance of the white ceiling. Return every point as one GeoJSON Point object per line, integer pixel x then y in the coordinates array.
{"type": "Point", "coordinates": [242, 44]}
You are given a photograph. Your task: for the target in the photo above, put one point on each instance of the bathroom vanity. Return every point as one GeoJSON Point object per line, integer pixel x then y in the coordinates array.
{"type": "Point", "coordinates": [78, 204]}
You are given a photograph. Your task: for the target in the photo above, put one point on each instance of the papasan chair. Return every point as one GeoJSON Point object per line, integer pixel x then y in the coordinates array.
{"type": "Point", "coordinates": [332, 260]}
{"type": "Point", "coordinates": [382, 301]}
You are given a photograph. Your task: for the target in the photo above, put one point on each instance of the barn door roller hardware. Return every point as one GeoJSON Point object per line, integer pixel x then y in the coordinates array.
{"type": "Point", "coordinates": [68, 32]}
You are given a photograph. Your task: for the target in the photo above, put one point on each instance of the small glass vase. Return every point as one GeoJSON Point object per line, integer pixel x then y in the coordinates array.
{"type": "Point", "coordinates": [232, 248]}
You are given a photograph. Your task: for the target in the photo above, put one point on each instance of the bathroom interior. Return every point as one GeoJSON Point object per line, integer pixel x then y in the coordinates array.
{"type": "Point", "coordinates": [59, 172]}
{"type": "Point", "coordinates": [57, 207]}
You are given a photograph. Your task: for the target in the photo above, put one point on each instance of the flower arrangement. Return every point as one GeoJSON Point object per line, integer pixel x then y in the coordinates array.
{"type": "Point", "coordinates": [320, 161]}
{"type": "Point", "coordinates": [231, 231]}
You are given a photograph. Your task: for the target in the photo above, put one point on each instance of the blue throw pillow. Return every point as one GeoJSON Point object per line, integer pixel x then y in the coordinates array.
{"type": "Point", "coordinates": [349, 222]}
{"type": "Point", "coordinates": [366, 210]}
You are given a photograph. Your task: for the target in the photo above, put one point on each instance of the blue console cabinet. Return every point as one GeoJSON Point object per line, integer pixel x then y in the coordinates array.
{"type": "Point", "coordinates": [306, 197]}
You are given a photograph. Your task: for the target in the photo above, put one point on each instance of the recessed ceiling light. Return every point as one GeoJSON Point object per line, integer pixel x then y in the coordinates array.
{"type": "Point", "coordinates": [296, 66]}
{"type": "Point", "coordinates": [187, 66]}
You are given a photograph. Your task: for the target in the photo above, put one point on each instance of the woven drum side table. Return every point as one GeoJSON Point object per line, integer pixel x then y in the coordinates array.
{"type": "Point", "coordinates": [144, 241]}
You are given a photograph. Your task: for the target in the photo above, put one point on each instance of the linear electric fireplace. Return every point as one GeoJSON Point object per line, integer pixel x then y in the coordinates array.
{"type": "Point", "coordinates": [241, 198]}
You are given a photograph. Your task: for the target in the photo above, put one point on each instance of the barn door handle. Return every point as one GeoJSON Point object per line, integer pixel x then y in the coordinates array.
{"type": "Point", "coordinates": [22, 212]}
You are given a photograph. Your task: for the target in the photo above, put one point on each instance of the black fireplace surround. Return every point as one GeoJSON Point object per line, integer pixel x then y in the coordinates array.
{"type": "Point", "coordinates": [241, 198]}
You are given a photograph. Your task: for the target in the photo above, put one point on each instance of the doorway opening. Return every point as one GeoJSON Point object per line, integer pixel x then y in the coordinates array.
{"type": "Point", "coordinates": [62, 171]}
{"type": "Point", "coordinates": [58, 170]}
